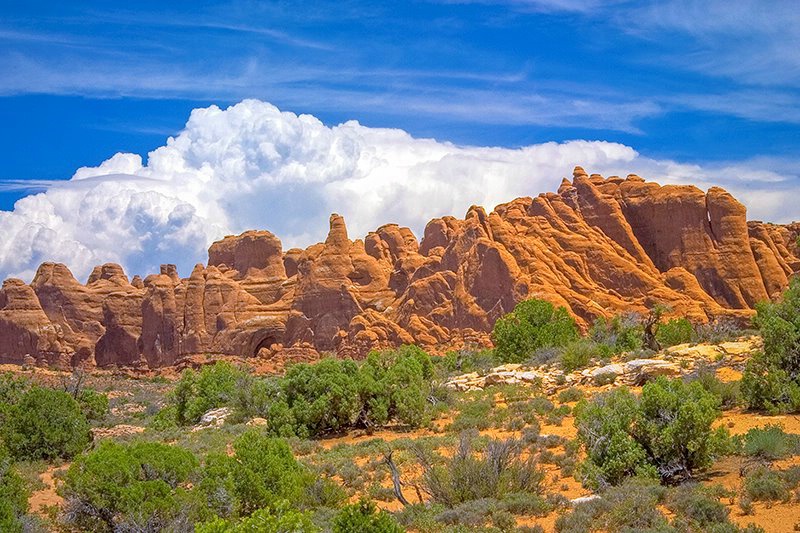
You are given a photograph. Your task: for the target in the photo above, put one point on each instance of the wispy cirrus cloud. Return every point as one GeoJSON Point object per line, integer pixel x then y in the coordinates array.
{"type": "Point", "coordinates": [750, 42]}
{"type": "Point", "coordinates": [499, 98]}
{"type": "Point", "coordinates": [770, 105]}
{"type": "Point", "coordinates": [547, 6]}
{"type": "Point", "coordinates": [318, 61]}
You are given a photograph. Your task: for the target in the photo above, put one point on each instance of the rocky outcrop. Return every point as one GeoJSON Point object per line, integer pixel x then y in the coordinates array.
{"type": "Point", "coordinates": [598, 247]}
{"type": "Point", "coordinates": [25, 330]}
{"type": "Point", "coordinates": [680, 360]}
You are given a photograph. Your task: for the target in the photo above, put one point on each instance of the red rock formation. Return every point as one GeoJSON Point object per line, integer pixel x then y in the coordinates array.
{"type": "Point", "coordinates": [24, 328]}
{"type": "Point", "coordinates": [598, 247]}
{"type": "Point", "coordinates": [122, 318]}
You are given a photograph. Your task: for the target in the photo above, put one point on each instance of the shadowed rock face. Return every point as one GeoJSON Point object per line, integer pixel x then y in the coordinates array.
{"type": "Point", "coordinates": [598, 247]}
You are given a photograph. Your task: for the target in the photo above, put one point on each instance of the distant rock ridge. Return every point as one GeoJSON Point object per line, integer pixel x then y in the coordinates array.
{"type": "Point", "coordinates": [599, 246]}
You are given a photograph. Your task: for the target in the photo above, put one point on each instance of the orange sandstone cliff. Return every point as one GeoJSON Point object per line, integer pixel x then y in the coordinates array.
{"type": "Point", "coordinates": [598, 247]}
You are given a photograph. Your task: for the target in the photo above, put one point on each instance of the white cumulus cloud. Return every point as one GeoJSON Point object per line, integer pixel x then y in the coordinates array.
{"type": "Point", "coordinates": [254, 166]}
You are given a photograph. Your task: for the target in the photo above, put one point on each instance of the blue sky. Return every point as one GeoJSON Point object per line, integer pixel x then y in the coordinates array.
{"type": "Point", "coordinates": [715, 84]}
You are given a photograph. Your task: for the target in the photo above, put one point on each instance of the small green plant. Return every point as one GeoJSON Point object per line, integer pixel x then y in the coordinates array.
{"type": "Point", "coordinates": [622, 333]}
{"type": "Point", "coordinates": [525, 503]}
{"type": "Point", "coordinates": [698, 507]}
{"type": "Point", "coordinates": [604, 378]}
{"type": "Point", "coordinates": [93, 404]}
{"type": "Point", "coordinates": [196, 393]}
{"type": "Point", "coordinates": [281, 518]}
{"type": "Point", "coordinates": [475, 414]}
{"type": "Point", "coordinates": [468, 476]}
{"type": "Point", "coordinates": [769, 443]}
{"type": "Point", "coordinates": [632, 506]}
{"type": "Point", "coordinates": [673, 332]}
{"type": "Point", "coordinates": [764, 484]}
{"type": "Point", "coordinates": [579, 354]}
{"type": "Point", "coordinates": [746, 505]}
{"type": "Point", "coordinates": [718, 330]}
{"type": "Point", "coordinates": [572, 394]}
{"type": "Point", "coordinates": [503, 520]}
{"type": "Point", "coordinates": [533, 324]}
{"type": "Point", "coordinates": [463, 361]}
{"type": "Point", "coordinates": [472, 515]}
{"type": "Point", "coordinates": [364, 517]}
{"type": "Point", "coordinates": [729, 393]}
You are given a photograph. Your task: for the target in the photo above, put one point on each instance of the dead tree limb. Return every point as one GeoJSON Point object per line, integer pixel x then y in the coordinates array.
{"type": "Point", "coordinates": [396, 482]}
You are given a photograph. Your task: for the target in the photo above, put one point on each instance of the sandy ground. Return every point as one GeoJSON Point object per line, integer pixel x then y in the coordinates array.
{"type": "Point", "coordinates": [46, 497]}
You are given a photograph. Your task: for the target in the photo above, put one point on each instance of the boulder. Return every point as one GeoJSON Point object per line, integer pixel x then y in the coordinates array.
{"type": "Point", "coordinates": [213, 418]}
{"type": "Point", "coordinates": [640, 371]}
{"type": "Point", "coordinates": [614, 369]}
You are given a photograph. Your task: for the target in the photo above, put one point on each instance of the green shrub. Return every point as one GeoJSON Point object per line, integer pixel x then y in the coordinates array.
{"type": "Point", "coordinates": [470, 516]}
{"type": "Point", "coordinates": [729, 393]}
{"type": "Point", "coordinates": [572, 394]}
{"type": "Point", "coordinates": [463, 361]}
{"type": "Point", "coordinates": [579, 354]}
{"type": "Point", "coordinates": [666, 432]}
{"type": "Point", "coordinates": [255, 396]}
{"type": "Point", "coordinates": [674, 425]}
{"type": "Point", "coordinates": [746, 505]}
{"type": "Point", "coordinates": [364, 517]}
{"type": "Point", "coordinates": [420, 517]}
{"type": "Point", "coordinates": [503, 520]}
{"type": "Point", "coordinates": [631, 506]}
{"type": "Point", "coordinates": [525, 503]}
{"type": "Point", "coordinates": [394, 385]}
{"type": "Point", "coordinates": [93, 404]}
{"type": "Point", "coordinates": [334, 395]}
{"type": "Point", "coordinates": [468, 476]}
{"type": "Point", "coordinates": [674, 332]}
{"type": "Point", "coordinates": [547, 355]}
{"type": "Point", "coordinates": [718, 330]}
{"type": "Point", "coordinates": [634, 505]}
{"type": "Point", "coordinates": [770, 443]}
{"type": "Point", "coordinates": [12, 389]}
{"type": "Point", "coordinates": [45, 424]}
{"type": "Point", "coordinates": [698, 507]}
{"type": "Point", "coordinates": [475, 414]}
{"type": "Point", "coordinates": [196, 393]}
{"type": "Point", "coordinates": [262, 472]}
{"type": "Point", "coordinates": [166, 418]}
{"type": "Point", "coordinates": [316, 399]}
{"type": "Point", "coordinates": [771, 380]}
{"type": "Point", "coordinates": [605, 427]}
{"type": "Point", "coordinates": [118, 486]}
{"type": "Point", "coordinates": [763, 484]}
{"type": "Point", "coordinates": [280, 519]}
{"type": "Point", "coordinates": [621, 333]}
{"type": "Point", "coordinates": [13, 495]}
{"type": "Point", "coordinates": [533, 324]}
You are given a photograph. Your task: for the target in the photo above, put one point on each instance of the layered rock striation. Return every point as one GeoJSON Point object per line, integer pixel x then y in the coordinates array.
{"type": "Point", "coordinates": [598, 247]}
